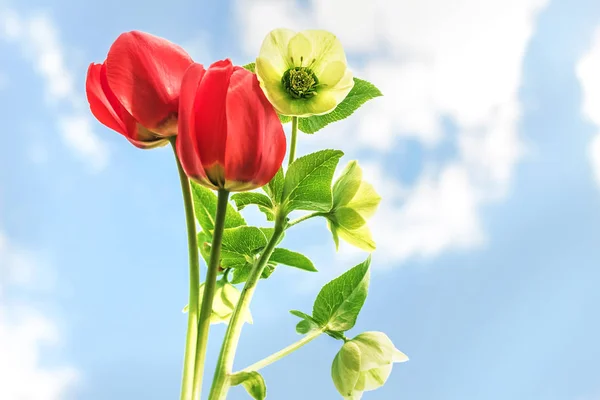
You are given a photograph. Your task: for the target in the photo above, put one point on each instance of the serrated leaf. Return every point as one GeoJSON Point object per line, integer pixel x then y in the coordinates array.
{"type": "Point", "coordinates": [275, 187]}
{"type": "Point", "coordinates": [242, 241]}
{"type": "Point", "coordinates": [205, 207]}
{"type": "Point", "coordinates": [360, 94]}
{"type": "Point", "coordinates": [241, 273]}
{"type": "Point", "coordinates": [247, 198]}
{"type": "Point", "coordinates": [292, 259]}
{"type": "Point", "coordinates": [269, 233]}
{"type": "Point", "coordinates": [339, 302]}
{"type": "Point", "coordinates": [308, 181]}
{"type": "Point", "coordinates": [250, 67]}
{"type": "Point", "coordinates": [253, 382]}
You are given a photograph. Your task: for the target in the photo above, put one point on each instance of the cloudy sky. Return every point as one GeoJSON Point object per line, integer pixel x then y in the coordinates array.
{"type": "Point", "coordinates": [485, 148]}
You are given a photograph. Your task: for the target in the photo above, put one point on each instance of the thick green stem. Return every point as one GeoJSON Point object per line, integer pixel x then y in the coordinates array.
{"type": "Point", "coordinates": [284, 352]}
{"type": "Point", "coordinates": [221, 384]}
{"type": "Point", "coordinates": [209, 291]}
{"type": "Point", "coordinates": [192, 329]}
{"type": "Point", "coordinates": [292, 154]}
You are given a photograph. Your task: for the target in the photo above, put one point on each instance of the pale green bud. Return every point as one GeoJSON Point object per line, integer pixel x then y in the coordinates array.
{"type": "Point", "coordinates": [224, 303]}
{"type": "Point", "coordinates": [364, 363]}
{"type": "Point", "coordinates": [354, 201]}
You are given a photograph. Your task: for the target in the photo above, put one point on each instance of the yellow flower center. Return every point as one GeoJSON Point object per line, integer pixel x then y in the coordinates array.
{"type": "Point", "coordinates": [300, 82]}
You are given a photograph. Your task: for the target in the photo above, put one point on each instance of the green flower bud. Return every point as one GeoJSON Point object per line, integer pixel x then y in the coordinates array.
{"type": "Point", "coordinates": [354, 201]}
{"type": "Point", "coordinates": [364, 364]}
{"type": "Point", "coordinates": [224, 303]}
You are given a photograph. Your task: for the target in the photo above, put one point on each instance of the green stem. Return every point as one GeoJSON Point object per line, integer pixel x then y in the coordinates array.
{"type": "Point", "coordinates": [284, 352]}
{"type": "Point", "coordinates": [304, 218]}
{"type": "Point", "coordinates": [209, 290]}
{"type": "Point", "coordinates": [292, 155]}
{"type": "Point", "coordinates": [192, 329]}
{"type": "Point", "coordinates": [221, 383]}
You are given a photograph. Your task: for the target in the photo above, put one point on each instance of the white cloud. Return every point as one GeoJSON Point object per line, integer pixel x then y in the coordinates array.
{"type": "Point", "coordinates": [39, 39]}
{"type": "Point", "coordinates": [588, 71]}
{"type": "Point", "coordinates": [24, 332]}
{"type": "Point", "coordinates": [433, 59]}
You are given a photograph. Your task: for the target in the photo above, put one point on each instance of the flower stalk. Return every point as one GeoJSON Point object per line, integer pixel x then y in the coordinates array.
{"type": "Point", "coordinates": [210, 284]}
{"type": "Point", "coordinates": [223, 371]}
{"type": "Point", "coordinates": [194, 274]}
{"type": "Point", "coordinates": [312, 335]}
{"type": "Point", "coordinates": [292, 155]}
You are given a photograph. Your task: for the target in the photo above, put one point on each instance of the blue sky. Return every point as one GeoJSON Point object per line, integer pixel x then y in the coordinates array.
{"type": "Point", "coordinates": [485, 149]}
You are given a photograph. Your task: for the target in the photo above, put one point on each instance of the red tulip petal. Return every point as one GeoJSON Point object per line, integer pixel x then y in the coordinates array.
{"type": "Point", "coordinates": [106, 111]}
{"type": "Point", "coordinates": [145, 73]}
{"type": "Point", "coordinates": [246, 126]}
{"type": "Point", "coordinates": [259, 145]}
{"type": "Point", "coordinates": [210, 123]}
{"type": "Point", "coordinates": [187, 145]}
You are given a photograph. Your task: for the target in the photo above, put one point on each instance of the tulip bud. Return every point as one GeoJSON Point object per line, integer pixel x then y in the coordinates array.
{"type": "Point", "coordinates": [230, 137]}
{"type": "Point", "coordinates": [354, 201]}
{"type": "Point", "coordinates": [224, 303]}
{"type": "Point", "coordinates": [305, 73]}
{"type": "Point", "coordinates": [136, 90]}
{"type": "Point", "coordinates": [364, 364]}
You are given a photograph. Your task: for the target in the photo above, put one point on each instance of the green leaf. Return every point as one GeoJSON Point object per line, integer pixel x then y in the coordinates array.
{"type": "Point", "coordinates": [307, 324]}
{"type": "Point", "coordinates": [246, 198]}
{"type": "Point", "coordinates": [250, 67]}
{"type": "Point", "coordinates": [263, 202]}
{"type": "Point", "coordinates": [204, 246]}
{"type": "Point", "coordinates": [275, 187]}
{"type": "Point", "coordinates": [292, 259]}
{"type": "Point", "coordinates": [300, 314]}
{"type": "Point", "coordinates": [360, 94]}
{"type": "Point", "coordinates": [308, 181]}
{"type": "Point", "coordinates": [205, 207]}
{"type": "Point", "coordinates": [253, 382]}
{"type": "Point", "coordinates": [269, 233]}
{"type": "Point", "coordinates": [243, 241]}
{"type": "Point", "coordinates": [241, 273]}
{"type": "Point", "coordinates": [339, 302]}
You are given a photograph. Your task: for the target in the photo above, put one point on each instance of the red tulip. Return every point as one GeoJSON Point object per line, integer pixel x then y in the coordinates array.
{"type": "Point", "coordinates": [136, 90]}
{"type": "Point", "coordinates": [230, 136]}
